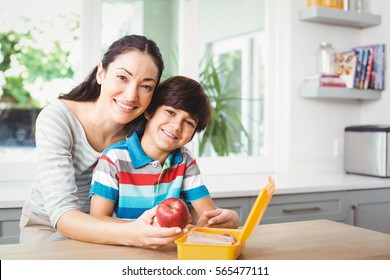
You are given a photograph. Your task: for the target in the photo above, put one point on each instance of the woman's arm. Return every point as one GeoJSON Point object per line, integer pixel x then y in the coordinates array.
{"type": "Point", "coordinates": [65, 161]}
{"type": "Point", "coordinates": [103, 209]}
{"type": "Point", "coordinates": [81, 226]}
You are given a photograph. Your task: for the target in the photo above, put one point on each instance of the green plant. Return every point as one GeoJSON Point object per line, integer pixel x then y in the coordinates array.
{"type": "Point", "coordinates": [225, 128]}
{"type": "Point", "coordinates": [18, 53]}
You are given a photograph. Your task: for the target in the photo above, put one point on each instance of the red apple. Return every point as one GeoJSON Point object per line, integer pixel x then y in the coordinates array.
{"type": "Point", "coordinates": [173, 212]}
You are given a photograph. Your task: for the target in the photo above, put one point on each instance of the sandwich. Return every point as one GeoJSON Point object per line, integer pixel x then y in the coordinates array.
{"type": "Point", "coordinates": [196, 237]}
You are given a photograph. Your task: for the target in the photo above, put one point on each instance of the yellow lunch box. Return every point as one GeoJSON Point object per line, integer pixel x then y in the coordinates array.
{"type": "Point", "coordinates": [187, 251]}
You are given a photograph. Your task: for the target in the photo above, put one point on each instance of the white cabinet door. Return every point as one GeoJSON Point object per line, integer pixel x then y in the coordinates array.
{"type": "Point", "coordinates": [306, 206]}
{"type": "Point", "coordinates": [370, 209]}
{"type": "Point", "coordinates": [239, 204]}
{"type": "Point", "coordinates": [9, 225]}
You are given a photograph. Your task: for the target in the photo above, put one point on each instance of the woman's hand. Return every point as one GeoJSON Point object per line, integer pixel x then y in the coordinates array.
{"type": "Point", "coordinates": [221, 218]}
{"type": "Point", "coordinates": [145, 234]}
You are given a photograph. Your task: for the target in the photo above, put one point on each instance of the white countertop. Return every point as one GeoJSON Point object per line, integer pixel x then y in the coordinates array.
{"type": "Point", "coordinates": [12, 194]}
{"type": "Point", "coordinates": [293, 184]}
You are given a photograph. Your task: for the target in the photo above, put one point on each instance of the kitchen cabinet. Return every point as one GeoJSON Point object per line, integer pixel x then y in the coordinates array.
{"type": "Point", "coordinates": [9, 225]}
{"type": "Point", "coordinates": [306, 206]}
{"type": "Point", "coordinates": [369, 209]}
{"type": "Point", "coordinates": [292, 207]}
{"type": "Point", "coordinates": [239, 204]}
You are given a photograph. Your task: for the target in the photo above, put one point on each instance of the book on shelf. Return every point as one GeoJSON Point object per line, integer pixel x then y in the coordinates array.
{"type": "Point", "coordinates": [346, 67]}
{"type": "Point", "coordinates": [363, 67]}
{"type": "Point", "coordinates": [370, 62]}
{"type": "Point", "coordinates": [324, 81]}
{"type": "Point", "coordinates": [359, 58]}
{"type": "Point", "coordinates": [369, 69]}
{"type": "Point", "coordinates": [378, 72]}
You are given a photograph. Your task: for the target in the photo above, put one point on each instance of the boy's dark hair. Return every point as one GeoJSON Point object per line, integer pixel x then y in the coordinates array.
{"type": "Point", "coordinates": [185, 94]}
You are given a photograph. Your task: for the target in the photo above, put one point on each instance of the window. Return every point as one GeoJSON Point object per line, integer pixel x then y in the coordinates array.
{"type": "Point", "coordinates": [40, 53]}
{"type": "Point", "coordinates": [120, 18]}
{"type": "Point", "coordinates": [240, 67]}
{"type": "Point", "coordinates": [233, 35]}
{"type": "Point", "coordinates": [187, 32]}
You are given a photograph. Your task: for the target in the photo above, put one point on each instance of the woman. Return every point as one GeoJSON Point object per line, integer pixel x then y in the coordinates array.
{"type": "Point", "coordinates": [72, 132]}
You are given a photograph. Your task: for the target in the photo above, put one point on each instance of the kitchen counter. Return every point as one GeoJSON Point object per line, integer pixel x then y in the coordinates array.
{"type": "Point", "coordinates": [307, 240]}
{"type": "Point", "coordinates": [233, 186]}
{"type": "Point", "coordinates": [12, 194]}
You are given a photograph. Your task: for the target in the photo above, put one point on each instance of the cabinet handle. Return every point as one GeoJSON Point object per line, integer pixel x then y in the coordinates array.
{"type": "Point", "coordinates": [301, 209]}
{"type": "Point", "coordinates": [352, 215]}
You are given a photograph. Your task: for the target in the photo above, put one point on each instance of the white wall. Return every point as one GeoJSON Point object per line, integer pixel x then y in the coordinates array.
{"type": "Point", "coordinates": [306, 128]}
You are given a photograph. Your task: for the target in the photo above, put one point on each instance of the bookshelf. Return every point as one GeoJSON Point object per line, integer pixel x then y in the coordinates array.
{"type": "Point", "coordinates": [339, 93]}
{"type": "Point", "coordinates": [339, 17]}
{"type": "Point", "coordinates": [343, 18]}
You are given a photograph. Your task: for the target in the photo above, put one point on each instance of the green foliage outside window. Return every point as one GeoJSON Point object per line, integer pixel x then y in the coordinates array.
{"type": "Point", "coordinates": [22, 63]}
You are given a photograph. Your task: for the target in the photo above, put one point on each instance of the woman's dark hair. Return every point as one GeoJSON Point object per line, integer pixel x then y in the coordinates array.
{"type": "Point", "coordinates": [89, 90]}
{"type": "Point", "coordinates": [184, 94]}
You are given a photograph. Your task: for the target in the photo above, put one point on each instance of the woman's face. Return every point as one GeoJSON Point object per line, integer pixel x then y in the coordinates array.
{"type": "Point", "coordinates": [127, 86]}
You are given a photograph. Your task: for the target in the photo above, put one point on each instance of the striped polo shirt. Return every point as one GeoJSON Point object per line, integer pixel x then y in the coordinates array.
{"type": "Point", "coordinates": [135, 182]}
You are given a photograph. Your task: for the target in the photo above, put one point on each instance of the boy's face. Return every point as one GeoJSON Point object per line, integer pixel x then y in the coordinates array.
{"type": "Point", "coordinates": [168, 129]}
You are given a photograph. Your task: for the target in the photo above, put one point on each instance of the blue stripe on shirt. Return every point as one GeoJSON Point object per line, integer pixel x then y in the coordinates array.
{"type": "Point", "coordinates": [196, 193]}
{"type": "Point", "coordinates": [129, 213]}
{"type": "Point", "coordinates": [133, 190]}
{"type": "Point", "coordinates": [151, 201]}
{"type": "Point", "coordinates": [104, 191]}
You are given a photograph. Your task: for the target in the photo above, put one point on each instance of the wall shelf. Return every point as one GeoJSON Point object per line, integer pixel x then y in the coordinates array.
{"type": "Point", "coordinates": [339, 17]}
{"type": "Point", "coordinates": [339, 93]}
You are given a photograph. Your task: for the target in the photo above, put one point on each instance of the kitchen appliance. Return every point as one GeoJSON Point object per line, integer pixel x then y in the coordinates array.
{"type": "Point", "coordinates": [367, 150]}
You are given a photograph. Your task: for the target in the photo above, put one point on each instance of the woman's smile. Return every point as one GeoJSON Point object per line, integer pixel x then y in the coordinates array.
{"type": "Point", "coordinates": [128, 107]}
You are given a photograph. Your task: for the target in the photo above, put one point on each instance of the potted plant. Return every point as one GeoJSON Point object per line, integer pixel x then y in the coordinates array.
{"type": "Point", "coordinates": [225, 128]}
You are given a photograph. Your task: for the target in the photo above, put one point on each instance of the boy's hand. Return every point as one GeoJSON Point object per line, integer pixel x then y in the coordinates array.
{"type": "Point", "coordinates": [222, 218]}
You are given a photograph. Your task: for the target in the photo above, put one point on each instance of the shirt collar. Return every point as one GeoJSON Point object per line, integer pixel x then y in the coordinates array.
{"type": "Point", "coordinates": [139, 158]}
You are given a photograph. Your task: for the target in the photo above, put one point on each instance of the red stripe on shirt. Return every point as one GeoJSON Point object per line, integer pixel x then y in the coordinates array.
{"type": "Point", "coordinates": [171, 175]}
{"type": "Point", "coordinates": [106, 158]}
{"type": "Point", "coordinates": [151, 179]}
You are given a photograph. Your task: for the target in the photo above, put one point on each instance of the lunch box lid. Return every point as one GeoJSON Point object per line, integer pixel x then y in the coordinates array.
{"type": "Point", "coordinates": [258, 209]}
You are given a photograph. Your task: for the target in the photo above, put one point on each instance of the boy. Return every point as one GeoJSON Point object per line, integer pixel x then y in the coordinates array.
{"type": "Point", "coordinates": [136, 174]}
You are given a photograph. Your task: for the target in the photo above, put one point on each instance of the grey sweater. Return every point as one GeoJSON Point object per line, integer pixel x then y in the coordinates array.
{"type": "Point", "coordinates": [65, 162]}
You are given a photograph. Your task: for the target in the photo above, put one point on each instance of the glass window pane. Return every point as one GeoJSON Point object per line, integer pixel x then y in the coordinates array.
{"type": "Point", "coordinates": [234, 47]}
{"type": "Point", "coordinates": [40, 54]}
{"type": "Point", "coordinates": [120, 18]}
{"type": "Point", "coordinates": [155, 19]}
